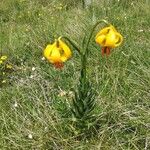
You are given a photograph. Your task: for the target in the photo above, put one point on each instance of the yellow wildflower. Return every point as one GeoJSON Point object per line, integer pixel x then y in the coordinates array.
{"type": "Point", "coordinates": [108, 38]}
{"type": "Point", "coordinates": [3, 58]}
{"type": "Point", "coordinates": [57, 53]}
{"type": "Point", "coordinates": [9, 66]}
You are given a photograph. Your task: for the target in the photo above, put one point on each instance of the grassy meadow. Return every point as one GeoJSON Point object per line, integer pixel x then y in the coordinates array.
{"type": "Point", "coordinates": [35, 102]}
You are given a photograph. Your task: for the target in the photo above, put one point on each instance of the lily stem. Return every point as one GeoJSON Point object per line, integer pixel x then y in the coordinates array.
{"type": "Point", "coordinates": [84, 55]}
{"type": "Point", "coordinates": [72, 43]}
{"type": "Point", "coordinates": [91, 33]}
{"type": "Point", "coordinates": [83, 69]}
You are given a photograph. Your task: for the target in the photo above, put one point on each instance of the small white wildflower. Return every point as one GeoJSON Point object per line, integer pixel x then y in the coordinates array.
{"type": "Point", "coordinates": [71, 94]}
{"type": "Point", "coordinates": [27, 29]}
{"type": "Point", "coordinates": [3, 81]}
{"type": "Point", "coordinates": [33, 68]}
{"type": "Point", "coordinates": [31, 76]}
{"type": "Point", "coordinates": [43, 58]}
{"type": "Point", "coordinates": [62, 93]}
{"type": "Point", "coordinates": [21, 80]}
{"type": "Point", "coordinates": [15, 104]}
{"type": "Point", "coordinates": [46, 128]}
{"type": "Point", "coordinates": [30, 136]}
{"type": "Point", "coordinates": [141, 30]}
{"type": "Point", "coordinates": [74, 119]}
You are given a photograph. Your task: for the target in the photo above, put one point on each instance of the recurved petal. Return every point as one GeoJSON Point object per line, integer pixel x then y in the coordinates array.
{"type": "Point", "coordinates": [55, 55]}
{"type": "Point", "coordinates": [104, 31]}
{"type": "Point", "coordinates": [119, 39]}
{"type": "Point", "coordinates": [47, 50]}
{"type": "Point", "coordinates": [67, 52]}
{"type": "Point", "coordinates": [101, 40]}
{"type": "Point", "coordinates": [113, 28]}
{"type": "Point", "coordinates": [111, 39]}
{"type": "Point", "coordinates": [63, 58]}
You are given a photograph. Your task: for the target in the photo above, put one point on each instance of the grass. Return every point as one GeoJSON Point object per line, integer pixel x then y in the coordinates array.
{"type": "Point", "coordinates": [34, 107]}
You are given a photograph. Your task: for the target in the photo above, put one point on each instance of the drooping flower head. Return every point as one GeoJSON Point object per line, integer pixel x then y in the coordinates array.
{"type": "Point", "coordinates": [108, 38]}
{"type": "Point", "coordinates": [57, 53]}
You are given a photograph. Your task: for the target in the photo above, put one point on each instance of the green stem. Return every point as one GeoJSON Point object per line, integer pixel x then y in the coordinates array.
{"type": "Point", "coordinates": [84, 101]}
{"type": "Point", "coordinates": [1, 40]}
{"type": "Point", "coordinates": [84, 55]}
{"type": "Point", "coordinates": [83, 3]}
{"type": "Point", "coordinates": [72, 43]}
{"type": "Point", "coordinates": [90, 36]}
{"type": "Point", "coordinates": [83, 68]}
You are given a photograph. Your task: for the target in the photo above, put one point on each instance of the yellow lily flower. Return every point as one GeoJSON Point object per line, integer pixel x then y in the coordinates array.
{"type": "Point", "coordinates": [57, 53]}
{"type": "Point", "coordinates": [108, 38]}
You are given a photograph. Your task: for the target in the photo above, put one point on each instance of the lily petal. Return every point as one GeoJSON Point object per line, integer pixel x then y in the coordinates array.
{"type": "Point", "coordinates": [67, 52]}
